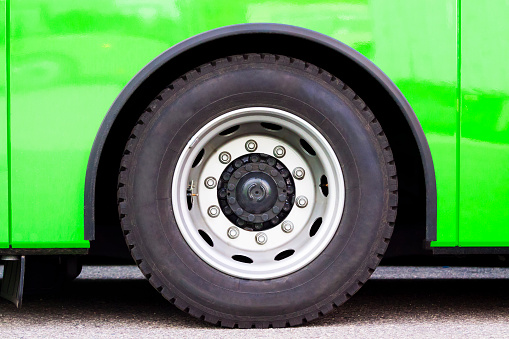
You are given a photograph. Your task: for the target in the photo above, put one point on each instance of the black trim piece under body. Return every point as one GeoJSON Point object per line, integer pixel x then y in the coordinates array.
{"type": "Point", "coordinates": [43, 251]}
{"type": "Point", "coordinates": [470, 250]}
{"type": "Point", "coordinates": [269, 29]}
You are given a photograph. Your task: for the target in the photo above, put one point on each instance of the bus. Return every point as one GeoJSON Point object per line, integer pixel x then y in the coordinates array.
{"type": "Point", "coordinates": [254, 157]}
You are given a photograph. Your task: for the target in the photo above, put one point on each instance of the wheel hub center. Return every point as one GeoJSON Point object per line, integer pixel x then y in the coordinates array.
{"type": "Point", "coordinates": [256, 192]}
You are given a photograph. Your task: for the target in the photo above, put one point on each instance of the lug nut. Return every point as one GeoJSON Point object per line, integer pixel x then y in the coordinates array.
{"type": "Point", "coordinates": [299, 173]}
{"type": "Point", "coordinates": [279, 151]}
{"type": "Point", "coordinates": [225, 157]}
{"type": "Point", "coordinates": [265, 217]}
{"type": "Point", "coordinates": [261, 238]}
{"type": "Point", "coordinates": [233, 232]}
{"type": "Point", "coordinates": [301, 201]}
{"type": "Point", "coordinates": [213, 211]}
{"type": "Point", "coordinates": [251, 145]}
{"type": "Point", "coordinates": [251, 217]}
{"type": "Point", "coordinates": [210, 182]}
{"type": "Point", "coordinates": [238, 163]}
{"type": "Point", "coordinates": [271, 161]}
{"type": "Point", "coordinates": [287, 226]}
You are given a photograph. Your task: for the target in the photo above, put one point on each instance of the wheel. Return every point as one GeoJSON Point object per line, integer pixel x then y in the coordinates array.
{"type": "Point", "coordinates": [257, 190]}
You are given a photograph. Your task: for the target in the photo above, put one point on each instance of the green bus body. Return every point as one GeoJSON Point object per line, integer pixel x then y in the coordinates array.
{"type": "Point", "coordinates": [63, 63]}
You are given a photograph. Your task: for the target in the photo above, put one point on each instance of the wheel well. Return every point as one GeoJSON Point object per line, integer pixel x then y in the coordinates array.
{"type": "Point", "coordinates": [410, 227]}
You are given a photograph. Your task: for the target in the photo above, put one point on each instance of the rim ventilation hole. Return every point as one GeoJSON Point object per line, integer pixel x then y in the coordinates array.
{"type": "Point", "coordinates": [198, 158]}
{"type": "Point", "coordinates": [206, 237]}
{"type": "Point", "coordinates": [189, 202]}
{"type": "Point", "coordinates": [324, 185]}
{"type": "Point", "coordinates": [307, 147]}
{"type": "Point", "coordinates": [242, 258]}
{"type": "Point", "coordinates": [272, 127]}
{"type": "Point", "coordinates": [284, 255]}
{"type": "Point", "coordinates": [230, 130]}
{"type": "Point", "coordinates": [315, 227]}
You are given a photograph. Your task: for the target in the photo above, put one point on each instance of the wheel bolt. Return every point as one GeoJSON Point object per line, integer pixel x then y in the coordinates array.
{"type": "Point", "coordinates": [287, 226]}
{"type": "Point", "coordinates": [225, 157]}
{"type": "Point", "coordinates": [301, 201]}
{"type": "Point", "coordinates": [279, 151]}
{"type": "Point", "coordinates": [213, 211]}
{"type": "Point", "coordinates": [233, 232]}
{"type": "Point", "coordinates": [299, 173]}
{"type": "Point", "coordinates": [261, 238]}
{"type": "Point", "coordinates": [251, 145]}
{"type": "Point", "coordinates": [210, 182]}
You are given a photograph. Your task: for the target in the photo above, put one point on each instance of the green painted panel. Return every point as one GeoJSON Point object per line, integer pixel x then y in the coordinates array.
{"type": "Point", "coordinates": [70, 59]}
{"type": "Point", "coordinates": [484, 159]}
{"type": "Point", "coordinates": [4, 164]}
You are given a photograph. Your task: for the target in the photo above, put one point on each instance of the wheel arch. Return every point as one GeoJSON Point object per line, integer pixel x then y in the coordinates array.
{"type": "Point", "coordinates": [404, 132]}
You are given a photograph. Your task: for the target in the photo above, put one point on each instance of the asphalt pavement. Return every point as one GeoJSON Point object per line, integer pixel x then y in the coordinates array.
{"type": "Point", "coordinates": [398, 302]}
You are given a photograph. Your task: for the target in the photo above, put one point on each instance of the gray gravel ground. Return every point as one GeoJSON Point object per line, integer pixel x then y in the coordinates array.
{"type": "Point", "coordinates": [398, 302]}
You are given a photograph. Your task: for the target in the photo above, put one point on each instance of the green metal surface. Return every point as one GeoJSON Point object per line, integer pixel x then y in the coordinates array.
{"type": "Point", "coordinates": [4, 162]}
{"type": "Point", "coordinates": [484, 148]}
{"type": "Point", "coordinates": [70, 59]}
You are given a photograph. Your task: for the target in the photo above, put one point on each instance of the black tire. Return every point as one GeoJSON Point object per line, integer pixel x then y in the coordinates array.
{"type": "Point", "coordinates": [201, 95]}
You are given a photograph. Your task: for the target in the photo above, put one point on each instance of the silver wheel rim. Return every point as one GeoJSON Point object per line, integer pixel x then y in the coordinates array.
{"type": "Point", "coordinates": [304, 233]}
